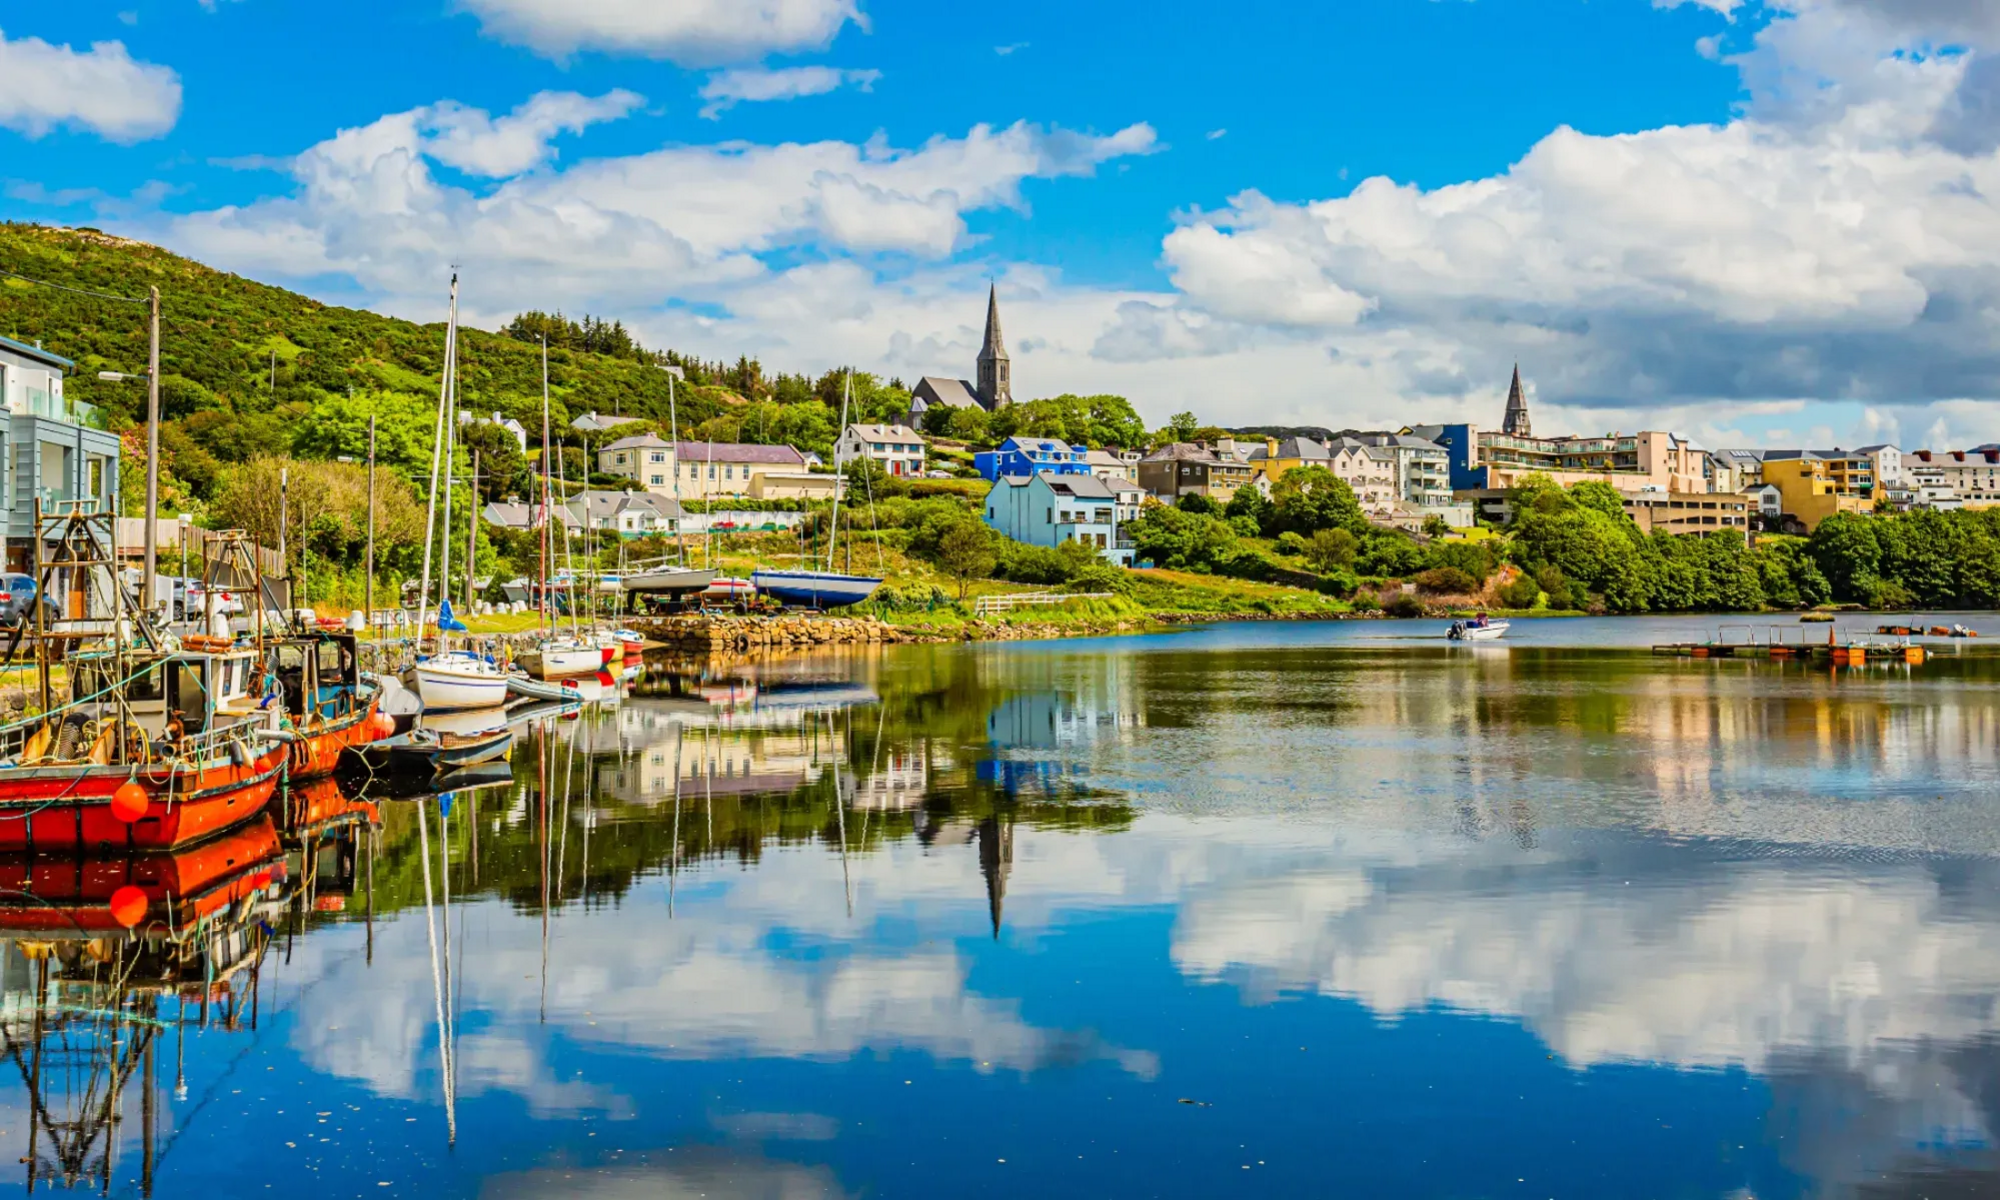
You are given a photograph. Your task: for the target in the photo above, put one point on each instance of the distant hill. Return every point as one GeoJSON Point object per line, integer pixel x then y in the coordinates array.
{"type": "Point", "coordinates": [1317, 432]}
{"type": "Point", "coordinates": [220, 330]}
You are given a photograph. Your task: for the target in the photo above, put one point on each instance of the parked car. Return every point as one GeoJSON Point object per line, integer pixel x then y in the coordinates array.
{"type": "Point", "coordinates": [17, 597]}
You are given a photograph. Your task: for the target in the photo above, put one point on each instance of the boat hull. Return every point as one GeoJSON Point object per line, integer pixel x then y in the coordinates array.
{"type": "Point", "coordinates": [678, 581]}
{"type": "Point", "coordinates": [65, 895]}
{"type": "Point", "coordinates": [69, 807]}
{"type": "Point", "coordinates": [561, 662]}
{"type": "Point", "coordinates": [445, 689]}
{"type": "Point", "coordinates": [317, 753]}
{"type": "Point", "coordinates": [814, 589]}
{"type": "Point", "coordinates": [1491, 633]}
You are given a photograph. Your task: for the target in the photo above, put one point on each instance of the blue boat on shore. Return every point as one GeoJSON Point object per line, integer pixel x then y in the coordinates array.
{"type": "Point", "coordinates": [814, 589]}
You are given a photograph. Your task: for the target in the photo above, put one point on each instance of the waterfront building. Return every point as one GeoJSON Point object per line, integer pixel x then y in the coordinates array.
{"type": "Point", "coordinates": [1276, 457]}
{"type": "Point", "coordinates": [1421, 466]}
{"type": "Point", "coordinates": [898, 448]}
{"type": "Point", "coordinates": [1816, 484]}
{"type": "Point", "coordinates": [648, 458]}
{"type": "Point", "coordinates": [1737, 470]}
{"type": "Point", "coordinates": [1954, 478]}
{"type": "Point", "coordinates": [1031, 456]}
{"type": "Point", "coordinates": [715, 470]}
{"type": "Point", "coordinates": [1046, 509]}
{"type": "Point", "coordinates": [1662, 512]}
{"type": "Point", "coordinates": [1369, 472]}
{"type": "Point", "coordinates": [52, 448]}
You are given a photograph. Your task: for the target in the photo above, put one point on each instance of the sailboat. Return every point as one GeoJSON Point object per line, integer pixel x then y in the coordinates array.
{"type": "Point", "coordinates": [577, 654]}
{"type": "Point", "coordinates": [677, 579]}
{"type": "Point", "coordinates": [450, 679]}
{"type": "Point", "coordinates": [828, 588]}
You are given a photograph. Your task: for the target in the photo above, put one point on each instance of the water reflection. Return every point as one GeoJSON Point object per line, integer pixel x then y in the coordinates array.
{"type": "Point", "coordinates": [1139, 919]}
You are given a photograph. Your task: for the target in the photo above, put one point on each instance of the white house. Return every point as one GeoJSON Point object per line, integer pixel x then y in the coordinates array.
{"type": "Point", "coordinates": [898, 448]}
{"type": "Point", "coordinates": [590, 422]}
{"type": "Point", "coordinates": [507, 423]}
{"type": "Point", "coordinates": [628, 514]}
{"type": "Point", "coordinates": [1113, 465]}
{"type": "Point", "coordinates": [1046, 509]}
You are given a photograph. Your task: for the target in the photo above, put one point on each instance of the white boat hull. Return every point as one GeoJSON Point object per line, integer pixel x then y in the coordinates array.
{"type": "Point", "coordinates": [452, 686]}
{"type": "Point", "coordinates": [814, 589]}
{"type": "Point", "coordinates": [558, 661]}
{"type": "Point", "coordinates": [1488, 633]}
{"type": "Point", "coordinates": [677, 579]}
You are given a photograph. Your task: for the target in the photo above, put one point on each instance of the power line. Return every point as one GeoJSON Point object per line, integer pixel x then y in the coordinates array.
{"type": "Point", "coordinates": [79, 291]}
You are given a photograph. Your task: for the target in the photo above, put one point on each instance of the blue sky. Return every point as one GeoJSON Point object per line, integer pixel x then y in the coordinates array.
{"type": "Point", "coordinates": [1760, 221]}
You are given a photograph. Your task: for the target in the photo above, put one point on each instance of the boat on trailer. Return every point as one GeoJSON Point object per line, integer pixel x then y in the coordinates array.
{"type": "Point", "coordinates": [814, 589]}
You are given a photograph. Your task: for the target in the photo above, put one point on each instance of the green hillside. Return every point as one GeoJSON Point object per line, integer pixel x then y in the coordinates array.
{"type": "Point", "coordinates": [221, 403]}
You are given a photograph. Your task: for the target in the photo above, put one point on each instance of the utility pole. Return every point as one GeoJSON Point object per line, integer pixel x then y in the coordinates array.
{"type": "Point", "coordinates": [147, 586]}
{"type": "Point", "coordinates": [274, 371]}
{"type": "Point", "coordinates": [368, 600]}
{"type": "Point", "coordinates": [284, 518]}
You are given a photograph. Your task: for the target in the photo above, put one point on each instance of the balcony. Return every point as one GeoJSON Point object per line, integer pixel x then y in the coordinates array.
{"type": "Point", "coordinates": [36, 402]}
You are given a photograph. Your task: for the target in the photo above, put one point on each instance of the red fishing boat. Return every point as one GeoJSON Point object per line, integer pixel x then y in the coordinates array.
{"type": "Point", "coordinates": [329, 706]}
{"type": "Point", "coordinates": [70, 896]}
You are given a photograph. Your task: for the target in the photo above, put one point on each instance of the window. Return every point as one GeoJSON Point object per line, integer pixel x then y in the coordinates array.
{"type": "Point", "coordinates": [711, 472]}
{"type": "Point", "coordinates": [657, 480]}
{"type": "Point", "coordinates": [659, 457]}
{"type": "Point", "coordinates": [619, 459]}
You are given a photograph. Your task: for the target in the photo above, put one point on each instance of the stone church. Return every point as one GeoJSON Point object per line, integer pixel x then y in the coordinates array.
{"type": "Point", "coordinates": [995, 388]}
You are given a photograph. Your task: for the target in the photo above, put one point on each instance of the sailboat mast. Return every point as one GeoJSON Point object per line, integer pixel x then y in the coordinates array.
{"type": "Point", "coordinates": [833, 531]}
{"type": "Point", "coordinates": [437, 445]}
{"type": "Point", "coordinates": [674, 424]}
{"type": "Point", "coordinates": [548, 514]}
{"type": "Point", "coordinates": [450, 465]}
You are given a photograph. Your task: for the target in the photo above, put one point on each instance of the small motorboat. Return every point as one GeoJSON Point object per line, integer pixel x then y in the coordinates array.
{"type": "Point", "coordinates": [429, 751]}
{"type": "Point", "coordinates": [399, 704]}
{"type": "Point", "coordinates": [560, 657]}
{"type": "Point", "coordinates": [630, 641]}
{"type": "Point", "coordinates": [728, 591]}
{"type": "Point", "coordinates": [1477, 630]}
{"type": "Point", "coordinates": [527, 687]}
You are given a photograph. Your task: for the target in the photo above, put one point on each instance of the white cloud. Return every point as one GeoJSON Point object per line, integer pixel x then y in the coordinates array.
{"type": "Point", "coordinates": [368, 206]}
{"type": "Point", "coordinates": [692, 33]}
{"type": "Point", "coordinates": [102, 89]}
{"type": "Point", "coordinates": [726, 89]}
{"type": "Point", "coordinates": [477, 144]}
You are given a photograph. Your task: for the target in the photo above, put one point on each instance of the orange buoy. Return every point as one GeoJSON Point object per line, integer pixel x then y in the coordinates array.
{"type": "Point", "coordinates": [128, 906]}
{"type": "Point", "coordinates": [383, 724]}
{"type": "Point", "coordinates": [128, 803]}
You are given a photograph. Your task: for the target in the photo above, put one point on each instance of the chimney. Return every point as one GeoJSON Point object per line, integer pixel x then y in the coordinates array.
{"type": "Point", "coordinates": [1270, 448]}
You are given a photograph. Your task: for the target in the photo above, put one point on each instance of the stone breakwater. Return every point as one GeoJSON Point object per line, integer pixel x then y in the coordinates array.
{"type": "Point", "coordinates": [714, 633]}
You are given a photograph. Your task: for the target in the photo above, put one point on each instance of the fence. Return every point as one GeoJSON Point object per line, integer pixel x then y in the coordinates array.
{"type": "Point", "coordinates": [987, 605]}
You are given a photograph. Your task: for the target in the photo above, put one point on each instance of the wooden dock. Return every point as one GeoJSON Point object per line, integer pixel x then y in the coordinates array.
{"type": "Point", "coordinates": [1793, 644]}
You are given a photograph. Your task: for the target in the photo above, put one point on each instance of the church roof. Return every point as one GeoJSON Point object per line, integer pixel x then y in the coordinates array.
{"type": "Point", "coordinates": [995, 346]}
{"type": "Point", "coordinates": [1516, 421]}
{"type": "Point", "coordinates": [958, 393]}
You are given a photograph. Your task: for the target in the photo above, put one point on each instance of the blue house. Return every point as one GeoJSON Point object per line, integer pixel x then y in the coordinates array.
{"type": "Point", "coordinates": [52, 448]}
{"type": "Point", "coordinates": [1031, 456]}
{"type": "Point", "coordinates": [1047, 509]}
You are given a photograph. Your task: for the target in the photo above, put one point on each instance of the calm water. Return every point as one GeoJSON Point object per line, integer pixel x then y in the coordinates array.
{"type": "Point", "coordinates": [1251, 910]}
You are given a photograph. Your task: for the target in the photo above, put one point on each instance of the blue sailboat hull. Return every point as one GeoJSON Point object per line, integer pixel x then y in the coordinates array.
{"type": "Point", "coordinates": [814, 589]}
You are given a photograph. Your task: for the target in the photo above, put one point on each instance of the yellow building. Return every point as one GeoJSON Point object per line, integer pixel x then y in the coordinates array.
{"type": "Point", "coordinates": [1815, 486]}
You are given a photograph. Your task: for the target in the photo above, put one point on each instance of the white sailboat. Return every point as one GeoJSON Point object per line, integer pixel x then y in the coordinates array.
{"type": "Point", "coordinates": [455, 679]}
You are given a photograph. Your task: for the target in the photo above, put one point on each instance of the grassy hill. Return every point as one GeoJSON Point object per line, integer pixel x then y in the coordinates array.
{"type": "Point", "coordinates": [220, 331]}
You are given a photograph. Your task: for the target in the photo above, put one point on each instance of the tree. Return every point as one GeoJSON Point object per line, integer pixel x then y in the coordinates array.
{"type": "Point", "coordinates": [966, 553]}
{"type": "Point", "coordinates": [1308, 499]}
{"type": "Point", "coordinates": [1331, 550]}
{"type": "Point", "coordinates": [1183, 426]}
{"type": "Point", "coordinates": [1536, 492]}
{"type": "Point", "coordinates": [1195, 502]}
{"type": "Point", "coordinates": [1252, 503]}
{"type": "Point", "coordinates": [1173, 538]}
{"type": "Point", "coordinates": [1600, 497]}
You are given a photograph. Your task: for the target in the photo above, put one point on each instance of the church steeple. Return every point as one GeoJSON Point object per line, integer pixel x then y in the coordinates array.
{"type": "Point", "coordinates": [996, 861]}
{"type": "Point", "coordinates": [1515, 423]}
{"type": "Point", "coordinates": [996, 384]}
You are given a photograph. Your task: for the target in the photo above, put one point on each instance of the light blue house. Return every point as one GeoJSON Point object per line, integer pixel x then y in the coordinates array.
{"type": "Point", "coordinates": [52, 449]}
{"type": "Point", "coordinates": [1030, 456]}
{"type": "Point", "coordinates": [1047, 509]}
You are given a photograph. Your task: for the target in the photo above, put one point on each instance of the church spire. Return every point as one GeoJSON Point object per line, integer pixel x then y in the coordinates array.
{"type": "Point", "coordinates": [1515, 423]}
{"type": "Point", "coordinates": [996, 384]}
{"type": "Point", "coordinates": [996, 861]}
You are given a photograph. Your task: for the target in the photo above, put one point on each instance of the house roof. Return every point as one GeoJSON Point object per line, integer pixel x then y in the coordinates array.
{"type": "Point", "coordinates": [645, 440]}
{"type": "Point", "coordinates": [1042, 445]}
{"type": "Point", "coordinates": [516, 514]}
{"type": "Point", "coordinates": [591, 421]}
{"type": "Point", "coordinates": [740, 452]}
{"type": "Point", "coordinates": [959, 393]}
{"type": "Point", "coordinates": [1083, 487]}
{"type": "Point", "coordinates": [611, 504]}
{"type": "Point", "coordinates": [25, 350]}
{"type": "Point", "coordinates": [1292, 447]}
{"type": "Point", "coordinates": [884, 433]}
{"type": "Point", "coordinates": [1181, 452]}
{"type": "Point", "coordinates": [1102, 458]}
{"type": "Point", "coordinates": [1742, 456]}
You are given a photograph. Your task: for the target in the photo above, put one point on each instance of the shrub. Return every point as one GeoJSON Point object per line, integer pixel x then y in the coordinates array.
{"type": "Point", "coordinates": [1200, 505]}
{"type": "Point", "coordinates": [1404, 605]}
{"type": "Point", "coordinates": [1560, 594]}
{"type": "Point", "coordinates": [1332, 550]}
{"type": "Point", "coordinates": [1521, 593]}
{"type": "Point", "coordinates": [1290, 543]}
{"type": "Point", "coordinates": [1447, 581]}
{"type": "Point", "coordinates": [1367, 602]}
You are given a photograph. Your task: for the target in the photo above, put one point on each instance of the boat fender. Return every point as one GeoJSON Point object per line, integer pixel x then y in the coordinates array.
{"type": "Point", "coordinates": [278, 735]}
{"type": "Point", "coordinates": [240, 753]}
